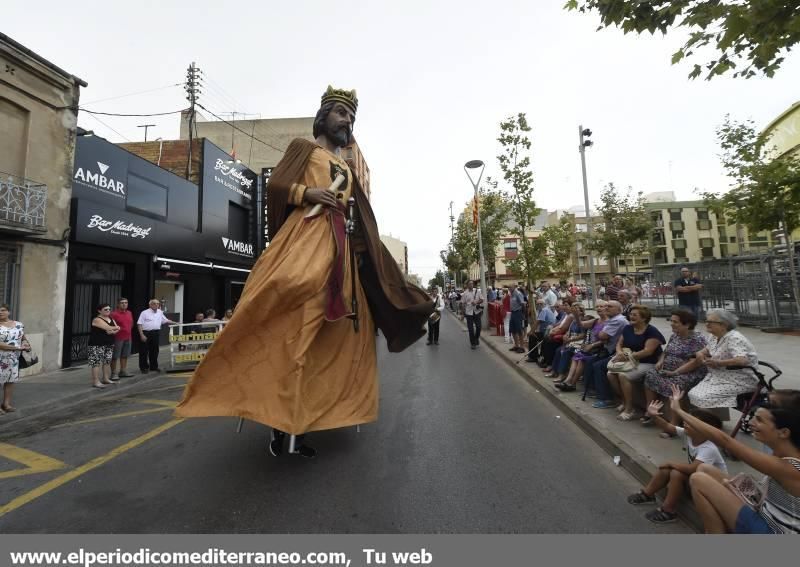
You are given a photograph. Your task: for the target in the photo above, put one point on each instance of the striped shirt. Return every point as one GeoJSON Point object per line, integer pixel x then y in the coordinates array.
{"type": "Point", "coordinates": [781, 510]}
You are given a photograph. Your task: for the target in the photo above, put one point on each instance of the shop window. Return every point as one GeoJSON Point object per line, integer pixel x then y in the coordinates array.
{"type": "Point", "coordinates": [147, 197]}
{"type": "Point", "coordinates": [238, 224]}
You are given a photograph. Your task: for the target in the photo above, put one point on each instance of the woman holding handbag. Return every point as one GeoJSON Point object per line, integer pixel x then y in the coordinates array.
{"type": "Point", "coordinates": [638, 351]}
{"type": "Point", "coordinates": [730, 505]}
{"type": "Point", "coordinates": [573, 340]}
{"type": "Point", "coordinates": [12, 343]}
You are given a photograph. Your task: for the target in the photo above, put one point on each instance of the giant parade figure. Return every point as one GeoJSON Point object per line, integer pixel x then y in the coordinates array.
{"type": "Point", "coordinates": [299, 353]}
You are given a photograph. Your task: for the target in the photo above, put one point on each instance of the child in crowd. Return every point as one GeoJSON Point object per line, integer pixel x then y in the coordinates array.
{"type": "Point", "coordinates": [675, 476]}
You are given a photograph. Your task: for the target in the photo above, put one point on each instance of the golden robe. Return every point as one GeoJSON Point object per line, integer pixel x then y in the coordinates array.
{"type": "Point", "coordinates": [278, 361]}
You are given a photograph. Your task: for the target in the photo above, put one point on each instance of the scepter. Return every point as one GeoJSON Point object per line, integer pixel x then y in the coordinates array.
{"type": "Point", "coordinates": [350, 227]}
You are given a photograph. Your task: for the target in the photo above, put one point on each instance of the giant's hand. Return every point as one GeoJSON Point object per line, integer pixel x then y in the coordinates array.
{"type": "Point", "coordinates": [317, 196]}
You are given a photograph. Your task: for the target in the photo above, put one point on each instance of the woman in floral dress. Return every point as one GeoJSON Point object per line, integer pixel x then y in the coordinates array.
{"type": "Point", "coordinates": [678, 365]}
{"type": "Point", "coordinates": [12, 342]}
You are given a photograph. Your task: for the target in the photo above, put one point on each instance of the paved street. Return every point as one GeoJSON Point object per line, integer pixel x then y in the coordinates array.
{"type": "Point", "coordinates": [463, 444]}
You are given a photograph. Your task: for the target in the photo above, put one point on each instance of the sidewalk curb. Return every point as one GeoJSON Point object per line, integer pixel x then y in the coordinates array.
{"type": "Point", "coordinates": [80, 396]}
{"type": "Point", "coordinates": [631, 460]}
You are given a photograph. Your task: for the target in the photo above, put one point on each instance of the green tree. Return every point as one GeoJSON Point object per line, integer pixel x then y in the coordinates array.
{"type": "Point", "coordinates": [749, 37]}
{"type": "Point", "coordinates": [494, 208]}
{"type": "Point", "coordinates": [765, 187]}
{"type": "Point", "coordinates": [437, 280]}
{"type": "Point", "coordinates": [515, 141]}
{"type": "Point", "coordinates": [561, 242]}
{"type": "Point", "coordinates": [625, 229]}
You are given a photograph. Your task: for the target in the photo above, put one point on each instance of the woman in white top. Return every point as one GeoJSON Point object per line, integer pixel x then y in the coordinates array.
{"type": "Point", "coordinates": [12, 343]}
{"type": "Point", "coordinates": [777, 425]}
{"type": "Point", "coordinates": [727, 347]}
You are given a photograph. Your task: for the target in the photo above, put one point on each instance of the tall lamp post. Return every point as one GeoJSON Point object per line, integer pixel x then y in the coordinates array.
{"type": "Point", "coordinates": [478, 164]}
{"type": "Point", "coordinates": [584, 133]}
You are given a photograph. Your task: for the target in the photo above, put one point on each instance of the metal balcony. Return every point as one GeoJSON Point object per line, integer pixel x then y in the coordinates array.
{"type": "Point", "coordinates": [23, 204]}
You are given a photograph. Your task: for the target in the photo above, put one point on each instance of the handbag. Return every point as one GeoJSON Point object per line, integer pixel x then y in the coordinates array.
{"type": "Point", "coordinates": [750, 491]}
{"type": "Point", "coordinates": [28, 358]}
{"type": "Point", "coordinates": [626, 365]}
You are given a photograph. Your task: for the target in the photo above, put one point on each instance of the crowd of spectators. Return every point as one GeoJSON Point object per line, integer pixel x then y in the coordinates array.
{"type": "Point", "coordinates": [674, 384]}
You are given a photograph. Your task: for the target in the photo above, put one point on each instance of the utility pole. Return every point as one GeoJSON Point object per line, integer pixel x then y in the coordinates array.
{"type": "Point", "coordinates": [145, 126]}
{"type": "Point", "coordinates": [586, 132]}
{"type": "Point", "coordinates": [192, 92]}
{"type": "Point", "coordinates": [452, 239]}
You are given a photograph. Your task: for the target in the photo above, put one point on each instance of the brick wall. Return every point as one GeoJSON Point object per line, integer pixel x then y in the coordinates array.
{"type": "Point", "coordinates": [174, 155]}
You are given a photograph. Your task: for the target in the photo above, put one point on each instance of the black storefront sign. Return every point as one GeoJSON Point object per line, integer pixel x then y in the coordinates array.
{"type": "Point", "coordinates": [147, 227]}
{"type": "Point", "coordinates": [230, 194]}
{"type": "Point", "coordinates": [124, 201]}
{"type": "Point", "coordinates": [97, 224]}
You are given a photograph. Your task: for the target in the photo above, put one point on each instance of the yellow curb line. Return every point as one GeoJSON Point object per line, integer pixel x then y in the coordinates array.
{"type": "Point", "coordinates": [34, 462]}
{"type": "Point", "coordinates": [75, 473]}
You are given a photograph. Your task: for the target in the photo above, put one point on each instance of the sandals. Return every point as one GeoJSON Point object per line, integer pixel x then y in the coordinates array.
{"type": "Point", "coordinates": [564, 387]}
{"type": "Point", "coordinates": [659, 516]}
{"type": "Point", "coordinates": [627, 416]}
{"type": "Point", "coordinates": [8, 409]}
{"type": "Point", "coordinates": [640, 498]}
{"type": "Point", "coordinates": [99, 386]}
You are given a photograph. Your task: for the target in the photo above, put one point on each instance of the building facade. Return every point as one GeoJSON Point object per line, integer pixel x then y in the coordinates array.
{"type": "Point", "coordinates": [141, 232]}
{"type": "Point", "coordinates": [38, 122]}
{"type": "Point", "coordinates": [399, 251]}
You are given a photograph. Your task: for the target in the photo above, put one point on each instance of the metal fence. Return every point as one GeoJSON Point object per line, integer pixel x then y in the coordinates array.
{"type": "Point", "coordinates": [757, 288]}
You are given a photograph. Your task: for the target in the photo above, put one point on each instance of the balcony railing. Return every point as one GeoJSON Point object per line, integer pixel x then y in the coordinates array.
{"type": "Point", "coordinates": [23, 203]}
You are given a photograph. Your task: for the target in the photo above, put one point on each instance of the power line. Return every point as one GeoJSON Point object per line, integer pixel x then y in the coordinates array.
{"type": "Point", "coordinates": [128, 115]}
{"type": "Point", "coordinates": [136, 93]}
{"type": "Point", "coordinates": [109, 127]}
{"type": "Point", "coordinates": [240, 130]}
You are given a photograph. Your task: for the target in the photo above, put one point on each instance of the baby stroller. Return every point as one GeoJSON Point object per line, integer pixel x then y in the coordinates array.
{"type": "Point", "coordinates": [749, 403]}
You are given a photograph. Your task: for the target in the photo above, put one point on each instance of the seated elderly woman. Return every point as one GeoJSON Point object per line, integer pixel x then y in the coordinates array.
{"type": "Point", "coordinates": [644, 342]}
{"type": "Point", "coordinates": [727, 347]}
{"type": "Point", "coordinates": [573, 340]}
{"type": "Point", "coordinates": [587, 352]}
{"type": "Point", "coordinates": [678, 365]}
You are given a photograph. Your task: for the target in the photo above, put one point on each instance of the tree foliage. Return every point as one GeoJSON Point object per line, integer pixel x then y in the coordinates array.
{"type": "Point", "coordinates": [765, 189]}
{"type": "Point", "coordinates": [494, 207]}
{"type": "Point", "coordinates": [625, 229]}
{"type": "Point", "coordinates": [437, 280]}
{"type": "Point", "coordinates": [516, 167]}
{"type": "Point", "coordinates": [561, 242]}
{"type": "Point", "coordinates": [749, 37]}
{"type": "Point", "coordinates": [765, 186]}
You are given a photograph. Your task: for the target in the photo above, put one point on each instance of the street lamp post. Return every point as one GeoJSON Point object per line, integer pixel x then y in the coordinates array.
{"type": "Point", "coordinates": [585, 133]}
{"type": "Point", "coordinates": [476, 164]}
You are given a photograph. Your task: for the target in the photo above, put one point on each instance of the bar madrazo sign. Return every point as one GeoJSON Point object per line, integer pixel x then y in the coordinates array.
{"type": "Point", "coordinates": [239, 248]}
{"type": "Point", "coordinates": [99, 180]}
{"type": "Point", "coordinates": [118, 227]}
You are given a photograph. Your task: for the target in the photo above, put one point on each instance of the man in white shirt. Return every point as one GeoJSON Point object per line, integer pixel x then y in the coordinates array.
{"type": "Point", "coordinates": [549, 296]}
{"type": "Point", "coordinates": [149, 324]}
{"type": "Point", "coordinates": [436, 317]}
{"type": "Point", "coordinates": [472, 301]}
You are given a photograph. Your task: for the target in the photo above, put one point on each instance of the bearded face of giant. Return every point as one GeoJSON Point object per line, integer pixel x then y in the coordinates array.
{"type": "Point", "coordinates": [336, 124]}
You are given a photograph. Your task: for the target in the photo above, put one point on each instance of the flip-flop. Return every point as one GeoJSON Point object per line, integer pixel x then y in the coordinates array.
{"type": "Point", "coordinates": [8, 409]}
{"type": "Point", "coordinates": [98, 386]}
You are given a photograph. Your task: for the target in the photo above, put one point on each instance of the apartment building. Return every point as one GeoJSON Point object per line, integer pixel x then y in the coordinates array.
{"type": "Point", "coordinates": [38, 128]}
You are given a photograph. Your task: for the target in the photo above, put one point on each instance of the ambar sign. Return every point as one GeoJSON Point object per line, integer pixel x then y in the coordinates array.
{"type": "Point", "coordinates": [238, 248]}
{"type": "Point", "coordinates": [99, 180]}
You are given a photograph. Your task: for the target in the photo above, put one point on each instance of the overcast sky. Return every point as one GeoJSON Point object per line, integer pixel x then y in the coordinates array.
{"type": "Point", "coordinates": [434, 79]}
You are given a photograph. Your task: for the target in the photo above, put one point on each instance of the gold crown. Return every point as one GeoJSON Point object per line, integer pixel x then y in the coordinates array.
{"type": "Point", "coordinates": [347, 98]}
